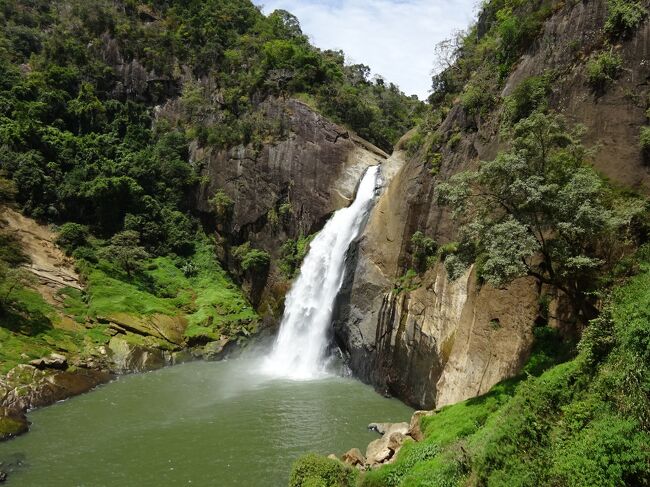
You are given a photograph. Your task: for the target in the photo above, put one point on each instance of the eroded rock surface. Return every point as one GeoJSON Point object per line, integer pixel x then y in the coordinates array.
{"type": "Point", "coordinates": [448, 341]}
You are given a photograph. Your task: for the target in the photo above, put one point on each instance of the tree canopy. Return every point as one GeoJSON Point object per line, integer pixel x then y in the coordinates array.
{"type": "Point", "coordinates": [537, 209]}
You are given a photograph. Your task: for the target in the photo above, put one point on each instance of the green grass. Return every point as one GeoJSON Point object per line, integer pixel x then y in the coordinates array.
{"type": "Point", "coordinates": [27, 331]}
{"type": "Point", "coordinates": [211, 302]}
{"type": "Point", "coordinates": [581, 423]}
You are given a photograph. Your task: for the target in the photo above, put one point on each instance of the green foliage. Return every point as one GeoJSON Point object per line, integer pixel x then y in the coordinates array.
{"type": "Point", "coordinates": [582, 423]}
{"type": "Point", "coordinates": [454, 140]}
{"type": "Point", "coordinates": [424, 250]}
{"type": "Point", "coordinates": [11, 251]}
{"type": "Point", "coordinates": [293, 253]}
{"type": "Point", "coordinates": [604, 69]}
{"type": "Point", "coordinates": [624, 17]}
{"type": "Point", "coordinates": [475, 63]}
{"type": "Point", "coordinates": [529, 96]}
{"type": "Point", "coordinates": [222, 205]}
{"type": "Point", "coordinates": [71, 236]}
{"type": "Point", "coordinates": [477, 97]}
{"type": "Point", "coordinates": [540, 199]}
{"type": "Point", "coordinates": [644, 142]}
{"type": "Point", "coordinates": [7, 190]}
{"type": "Point", "coordinates": [250, 259]}
{"type": "Point", "coordinates": [125, 250]}
{"type": "Point", "coordinates": [256, 260]}
{"type": "Point", "coordinates": [316, 471]}
{"type": "Point", "coordinates": [407, 283]}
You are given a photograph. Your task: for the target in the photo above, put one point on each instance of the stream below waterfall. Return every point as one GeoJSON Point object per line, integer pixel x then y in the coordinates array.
{"type": "Point", "coordinates": [203, 424]}
{"type": "Point", "coordinates": [240, 422]}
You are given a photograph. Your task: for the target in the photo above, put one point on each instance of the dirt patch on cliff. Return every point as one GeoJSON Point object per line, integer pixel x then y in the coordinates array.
{"type": "Point", "coordinates": [51, 267]}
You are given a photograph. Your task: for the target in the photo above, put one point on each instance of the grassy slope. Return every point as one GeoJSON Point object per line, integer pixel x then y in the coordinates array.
{"type": "Point", "coordinates": [212, 303]}
{"type": "Point", "coordinates": [584, 422]}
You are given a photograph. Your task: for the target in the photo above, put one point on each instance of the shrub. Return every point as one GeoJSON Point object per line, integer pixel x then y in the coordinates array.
{"type": "Point", "coordinates": [222, 205]}
{"type": "Point", "coordinates": [407, 283]}
{"type": "Point", "coordinates": [256, 260]}
{"type": "Point", "coordinates": [424, 251]}
{"type": "Point", "coordinates": [644, 142]}
{"type": "Point", "coordinates": [11, 250]}
{"type": "Point", "coordinates": [454, 140]}
{"type": "Point", "coordinates": [624, 17]}
{"type": "Point", "coordinates": [250, 258]}
{"type": "Point", "coordinates": [71, 236]}
{"type": "Point", "coordinates": [7, 190]}
{"type": "Point", "coordinates": [477, 98]}
{"type": "Point", "coordinates": [317, 471]}
{"type": "Point", "coordinates": [604, 69]}
{"type": "Point", "coordinates": [530, 95]}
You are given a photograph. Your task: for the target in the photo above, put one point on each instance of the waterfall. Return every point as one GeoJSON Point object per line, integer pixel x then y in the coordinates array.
{"type": "Point", "coordinates": [299, 350]}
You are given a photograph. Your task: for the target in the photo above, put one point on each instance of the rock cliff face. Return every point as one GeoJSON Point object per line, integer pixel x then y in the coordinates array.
{"type": "Point", "coordinates": [288, 187]}
{"type": "Point", "coordinates": [442, 342]}
{"type": "Point", "coordinates": [448, 341]}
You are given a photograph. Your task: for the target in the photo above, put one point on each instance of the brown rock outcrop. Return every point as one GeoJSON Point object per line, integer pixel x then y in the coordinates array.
{"type": "Point", "coordinates": [447, 341]}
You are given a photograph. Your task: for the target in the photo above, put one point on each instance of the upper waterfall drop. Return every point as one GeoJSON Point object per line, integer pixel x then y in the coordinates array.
{"type": "Point", "coordinates": [299, 350]}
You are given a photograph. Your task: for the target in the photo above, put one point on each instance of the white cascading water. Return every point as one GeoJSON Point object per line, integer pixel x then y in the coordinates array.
{"type": "Point", "coordinates": [299, 350]}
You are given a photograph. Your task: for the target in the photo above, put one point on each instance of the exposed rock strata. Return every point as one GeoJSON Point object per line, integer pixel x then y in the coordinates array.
{"type": "Point", "coordinates": [286, 188]}
{"type": "Point", "coordinates": [445, 342]}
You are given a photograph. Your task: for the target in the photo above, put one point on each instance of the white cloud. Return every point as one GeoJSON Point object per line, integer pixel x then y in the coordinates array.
{"type": "Point", "coordinates": [395, 38]}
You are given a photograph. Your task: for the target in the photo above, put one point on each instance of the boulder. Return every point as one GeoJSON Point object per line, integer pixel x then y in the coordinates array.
{"type": "Point", "coordinates": [354, 458]}
{"type": "Point", "coordinates": [12, 423]}
{"type": "Point", "coordinates": [378, 452]}
{"type": "Point", "coordinates": [128, 357]}
{"type": "Point", "coordinates": [52, 361]}
{"type": "Point", "coordinates": [414, 430]}
{"type": "Point", "coordinates": [383, 428]}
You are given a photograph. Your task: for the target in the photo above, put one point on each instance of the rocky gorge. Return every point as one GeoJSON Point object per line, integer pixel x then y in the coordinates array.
{"type": "Point", "coordinates": [160, 214]}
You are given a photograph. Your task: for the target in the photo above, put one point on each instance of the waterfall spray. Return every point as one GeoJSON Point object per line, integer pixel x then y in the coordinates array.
{"type": "Point", "coordinates": [299, 350]}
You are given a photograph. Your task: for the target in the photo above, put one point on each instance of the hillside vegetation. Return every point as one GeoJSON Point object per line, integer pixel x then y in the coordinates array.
{"type": "Point", "coordinates": [578, 413]}
{"type": "Point", "coordinates": [82, 147]}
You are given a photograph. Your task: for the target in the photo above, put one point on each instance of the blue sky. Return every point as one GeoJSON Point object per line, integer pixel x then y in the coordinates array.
{"type": "Point", "coordinates": [394, 37]}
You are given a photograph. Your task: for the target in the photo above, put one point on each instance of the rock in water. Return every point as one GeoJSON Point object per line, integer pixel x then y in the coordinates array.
{"type": "Point", "coordinates": [12, 423]}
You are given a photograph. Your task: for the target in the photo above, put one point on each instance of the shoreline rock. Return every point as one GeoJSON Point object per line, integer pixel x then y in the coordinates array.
{"type": "Point", "coordinates": [384, 450]}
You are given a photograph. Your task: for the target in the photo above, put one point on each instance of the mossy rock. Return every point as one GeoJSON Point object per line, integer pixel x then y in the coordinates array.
{"type": "Point", "coordinates": [11, 424]}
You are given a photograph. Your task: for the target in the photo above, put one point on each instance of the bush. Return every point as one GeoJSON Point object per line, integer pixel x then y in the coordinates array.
{"type": "Point", "coordinates": [424, 251]}
{"type": "Point", "coordinates": [250, 258]}
{"type": "Point", "coordinates": [530, 95]}
{"type": "Point", "coordinates": [256, 260]}
{"type": "Point", "coordinates": [603, 70]}
{"type": "Point", "coordinates": [644, 142]}
{"type": "Point", "coordinates": [71, 236]}
{"type": "Point", "coordinates": [316, 471]}
{"type": "Point", "coordinates": [222, 205]}
{"type": "Point", "coordinates": [477, 98]}
{"type": "Point", "coordinates": [624, 17]}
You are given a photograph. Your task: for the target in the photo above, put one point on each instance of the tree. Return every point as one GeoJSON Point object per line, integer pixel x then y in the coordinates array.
{"type": "Point", "coordinates": [72, 235]}
{"type": "Point", "coordinates": [538, 210]}
{"type": "Point", "coordinates": [125, 250]}
{"type": "Point", "coordinates": [13, 279]}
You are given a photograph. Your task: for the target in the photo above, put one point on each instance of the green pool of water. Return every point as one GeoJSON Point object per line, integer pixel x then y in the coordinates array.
{"type": "Point", "coordinates": [199, 424]}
